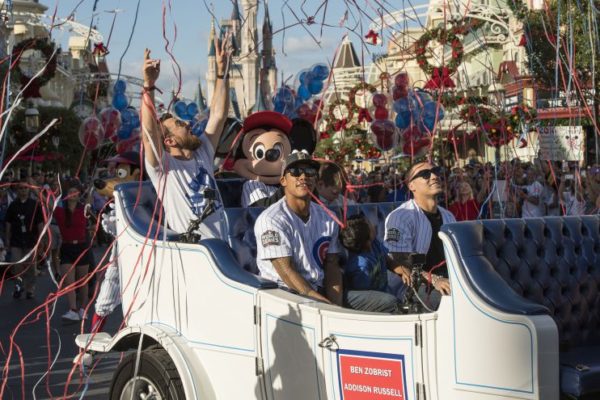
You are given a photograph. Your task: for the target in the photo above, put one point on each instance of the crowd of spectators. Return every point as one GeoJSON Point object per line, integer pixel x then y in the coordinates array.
{"type": "Point", "coordinates": [480, 191]}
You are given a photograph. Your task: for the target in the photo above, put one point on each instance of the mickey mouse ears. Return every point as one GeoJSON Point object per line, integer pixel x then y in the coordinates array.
{"type": "Point", "coordinates": [272, 119]}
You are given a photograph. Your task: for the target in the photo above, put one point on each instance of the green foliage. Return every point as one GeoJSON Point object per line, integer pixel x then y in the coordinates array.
{"type": "Point", "coordinates": [66, 129]}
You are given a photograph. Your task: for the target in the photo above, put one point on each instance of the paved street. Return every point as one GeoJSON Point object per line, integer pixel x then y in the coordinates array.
{"type": "Point", "coordinates": [40, 382]}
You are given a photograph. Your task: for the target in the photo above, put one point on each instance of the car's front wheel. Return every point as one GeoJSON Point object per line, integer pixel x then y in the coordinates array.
{"type": "Point", "coordinates": [157, 378]}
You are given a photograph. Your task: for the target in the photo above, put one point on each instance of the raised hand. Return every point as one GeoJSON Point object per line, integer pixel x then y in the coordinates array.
{"type": "Point", "coordinates": [223, 51]}
{"type": "Point", "coordinates": [150, 69]}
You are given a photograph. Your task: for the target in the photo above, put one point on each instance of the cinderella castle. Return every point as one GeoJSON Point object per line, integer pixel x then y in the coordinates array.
{"type": "Point", "coordinates": [253, 73]}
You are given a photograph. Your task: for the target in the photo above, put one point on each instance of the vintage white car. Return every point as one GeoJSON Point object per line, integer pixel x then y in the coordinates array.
{"type": "Point", "coordinates": [206, 328]}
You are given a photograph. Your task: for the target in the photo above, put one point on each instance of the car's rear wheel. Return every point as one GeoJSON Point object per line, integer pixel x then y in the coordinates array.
{"type": "Point", "coordinates": [157, 378]}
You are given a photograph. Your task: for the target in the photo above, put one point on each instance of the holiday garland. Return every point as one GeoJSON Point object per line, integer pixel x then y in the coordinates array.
{"type": "Point", "coordinates": [443, 36]}
{"type": "Point", "coordinates": [47, 49]}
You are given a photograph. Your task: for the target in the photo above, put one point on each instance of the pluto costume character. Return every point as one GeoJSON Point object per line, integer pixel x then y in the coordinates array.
{"type": "Point", "coordinates": [268, 138]}
{"type": "Point", "coordinates": [127, 170]}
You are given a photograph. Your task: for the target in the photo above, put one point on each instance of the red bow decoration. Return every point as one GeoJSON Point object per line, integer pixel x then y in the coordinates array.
{"type": "Point", "coordinates": [523, 140]}
{"type": "Point", "coordinates": [523, 41]}
{"type": "Point", "coordinates": [363, 115]}
{"type": "Point", "coordinates": [324, 135]}
{"type": "Point", "coordinates": [372, 36]}
{"type": "Point", "coordinates": [100, 49]}
{"type": "Point", "coordinates": [440, 79]}
{"type": "Point", "coordinates": [340, 124]}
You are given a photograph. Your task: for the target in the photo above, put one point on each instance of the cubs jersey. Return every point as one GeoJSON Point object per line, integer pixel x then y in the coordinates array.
{"type": "Point", "coordinates": [407, 229]}
{"type": "Point", "coordinates": [253, 191]}
{"type": "Point", "coordinates": [281, 233]}
{"type": "Point", "coordinates": [181, 184]}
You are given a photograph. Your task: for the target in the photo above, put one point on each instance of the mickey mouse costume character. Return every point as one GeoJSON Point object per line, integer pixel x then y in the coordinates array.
{"type": "Point", "coordinates": [268, 139]}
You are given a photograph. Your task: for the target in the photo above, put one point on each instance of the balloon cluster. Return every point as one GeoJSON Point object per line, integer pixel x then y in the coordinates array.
{"type": "Point", "coordinates": [118, 124]}
{"type": "Point", "coordinates": [191, 113]}
{"type": "Point", "coordinates": [383, 129]}
{"type": "Point", "coordinates": [416, 116]}
{"type": "Point", "coordinates": [297, 103]}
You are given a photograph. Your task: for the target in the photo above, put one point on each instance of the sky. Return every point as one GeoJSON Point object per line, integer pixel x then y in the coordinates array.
{"type": "Point", "coordinates": [297, 44]}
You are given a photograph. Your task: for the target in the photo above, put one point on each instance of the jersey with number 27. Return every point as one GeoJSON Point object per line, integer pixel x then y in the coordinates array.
{"type": "Point", "coordinates": [281, 233]}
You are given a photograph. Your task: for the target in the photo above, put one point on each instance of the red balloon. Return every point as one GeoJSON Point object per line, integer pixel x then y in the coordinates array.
{"type": "Point", "coordinates": [381, 113]}
{"type": "Point", "coordinates": [385, 143]}
{"type": "Point", "coordinates": [303, 110]}
{"type": "Point", "coordinates": [111, 122]}
{"type": "Point", "coordinates": [91, 133]}
{"type": "Point", "coordinates": [401, 79]}
{"type": "Point", "coordinates": [379, 100]}
{"type": "Point", "coordinates": [415, 141]}
{"type": "Point", "coordinates": [399, 92]}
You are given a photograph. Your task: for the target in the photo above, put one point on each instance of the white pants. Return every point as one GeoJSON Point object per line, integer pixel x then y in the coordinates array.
{"type": "Point", "coordinates": [110, 289]}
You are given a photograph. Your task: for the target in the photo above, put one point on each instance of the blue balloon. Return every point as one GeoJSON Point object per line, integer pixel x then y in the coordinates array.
{"type": "Point", "coordinates": [124, 132]}
{"type": "Point", "coordinates": [320, 72]}
{"type": "Point", "coordinates": [401, 105]}
{"type": "Point", "coordinates": [304, 93]}
{"type": "Point", "coordinates": [199, 127]}
{"type": "Point", "coordinates": [429, 122]}
{"type": "Point", "coordinates": [120, 86]}
{"type": "Point", "coordinates": [126, 116]}
{"type": "Point", "coordinates": [279, 107]}
{"type": "Point", "coordinates": [305, 77]}
{"type": "Point", "coordinates": [120, 101]}
{"type": "Point", "coordinates": [430, 109]}
{"type": "Point", "coordinates": [180, 109]}
{"type": "Point", "coordinates": [315, 86]}
{"type": "Point", "coordinates": [403, 119]}
{"type": "Point", "coordinates": [135, 121]}
{"type": "Point", "coordinates": [192, 109]}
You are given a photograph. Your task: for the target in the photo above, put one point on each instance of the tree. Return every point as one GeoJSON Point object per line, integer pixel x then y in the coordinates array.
{"type": "Point", "coordinates": [66, 129]}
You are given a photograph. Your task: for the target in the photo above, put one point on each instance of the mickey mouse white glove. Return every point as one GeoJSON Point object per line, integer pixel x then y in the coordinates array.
{"type": "Point", "coordinates": [109, 220]}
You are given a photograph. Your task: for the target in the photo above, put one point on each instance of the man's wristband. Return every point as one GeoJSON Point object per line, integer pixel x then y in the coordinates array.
{"type": "Point", "coordinates": [151, 88]}
{"type": "Point", "coordinates": [223, 76]}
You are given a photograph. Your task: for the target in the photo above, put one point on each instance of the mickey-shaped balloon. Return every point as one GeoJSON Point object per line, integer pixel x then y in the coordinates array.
{"type": "Point", "coordinates": [268, 138]}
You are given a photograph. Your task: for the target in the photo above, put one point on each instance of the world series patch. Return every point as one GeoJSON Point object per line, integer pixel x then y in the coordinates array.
{"type": "Point", "coordinates": [270, 238]}
{"type": "Point", "coordinates": [392, 235]}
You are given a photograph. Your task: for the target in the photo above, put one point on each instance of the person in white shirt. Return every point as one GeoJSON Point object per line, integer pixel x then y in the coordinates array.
{"type": "Point", "coordinates": [413, 228]}
{"type": "Point", "coordinates": [532, 196]}
{"type": "Point", "coordinates": [297, 242]}
{"type": "Point", "coordinates": [180, 164]}
{"type": "Point", "coordinates": [571, 195]}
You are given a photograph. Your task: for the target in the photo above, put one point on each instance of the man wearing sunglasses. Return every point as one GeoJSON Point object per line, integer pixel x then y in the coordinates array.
{"type": "Point", "coordinates": [413, 228]}
{"type": "Point", "coordinates": [180, 164]}
{"type": "Point", "coordinates": [297, 242]}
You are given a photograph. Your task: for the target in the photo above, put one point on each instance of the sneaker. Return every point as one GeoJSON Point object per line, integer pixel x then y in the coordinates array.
{"type": "Point", "coordinates": [71, 316]}
{"type": "Point", "coordinates": [82, 314]}
{"type": "Point", "coordinates": [18, 288]}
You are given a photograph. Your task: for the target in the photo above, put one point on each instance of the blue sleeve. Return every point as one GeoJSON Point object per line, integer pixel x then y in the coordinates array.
{"type": "Point", "coordinates": [357, 273]}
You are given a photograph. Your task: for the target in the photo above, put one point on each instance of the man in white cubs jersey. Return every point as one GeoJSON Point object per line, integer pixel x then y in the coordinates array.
{"type": "Point", "coordinates": [297, 241]}
{"type": "Point", "coordinates": [414, 226]}
{"type": "Point", "coordinates": [180, 164]}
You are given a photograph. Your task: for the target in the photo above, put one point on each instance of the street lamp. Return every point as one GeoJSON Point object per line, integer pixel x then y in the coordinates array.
{"type": "Point", "coordinates": [336, 143]}
{"type": "Point", "coordinates": [32, 119]}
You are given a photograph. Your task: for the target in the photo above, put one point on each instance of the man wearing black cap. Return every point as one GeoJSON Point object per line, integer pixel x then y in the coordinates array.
{"type": "Point", "coordinates": [180, 164]}
{"type": "Point", "coordinates": [297, 242]}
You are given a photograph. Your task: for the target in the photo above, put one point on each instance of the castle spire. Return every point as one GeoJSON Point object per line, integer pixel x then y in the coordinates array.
{"type": "Point", "coordinates": [201, 101]}
{"type": "Point", "coordinates": [211, 39]}
{"type": "Point", "coordinates": [235, 13]}
{"type": "Point", "coordinates": [267, 26]}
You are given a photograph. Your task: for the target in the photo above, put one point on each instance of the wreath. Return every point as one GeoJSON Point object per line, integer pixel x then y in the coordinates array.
{"type": "Point", "coordinates": [522, 115]}
{"type": "Point", "coordinates": [363, 112]}
{"type": "Point", "coordinates": [47, 49]}
{"type": "Point", "coordinates": [498, 130]}
{"type": "Point", "coordinates": [443, 36]}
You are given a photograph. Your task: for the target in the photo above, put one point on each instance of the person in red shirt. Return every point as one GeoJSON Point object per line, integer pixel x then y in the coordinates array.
{"type": "Point", "coordinates": [465, 207]}
{"type": "Point", "coordinates": [74, 251]}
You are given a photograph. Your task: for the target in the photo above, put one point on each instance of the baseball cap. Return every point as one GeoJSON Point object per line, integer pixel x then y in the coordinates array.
{"type": "Point", "coordinates": [128, 157]}
{"type": "Point", "coordinates": [263, 119]}
{"type": "Point", "coordinates": [299, 156]}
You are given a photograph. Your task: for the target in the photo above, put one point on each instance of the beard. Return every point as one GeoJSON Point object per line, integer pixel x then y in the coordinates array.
{"type": "Point", "coordinates": [190, 142]}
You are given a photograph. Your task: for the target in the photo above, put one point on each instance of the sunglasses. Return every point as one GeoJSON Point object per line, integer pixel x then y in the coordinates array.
{"type": "Point", "coordinates": [309, 172]}
{"type": "Point", "coordinates": [426, 173]}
